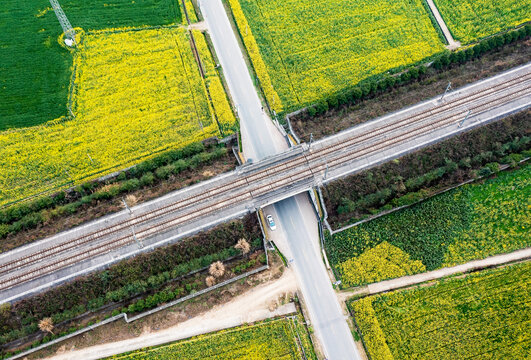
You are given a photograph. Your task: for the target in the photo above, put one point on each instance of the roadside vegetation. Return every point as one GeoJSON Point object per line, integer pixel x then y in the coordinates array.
{"type": "Point", "coordinates": [483, 315]}
{"type": "Point", "coordinates": [305, 51]}
{"type": "Point", "coordinates": [28, 221]}
{"type": "Point", "coordinates": [372, 99]}
{"type": "Point", "coordinates": [470, 222]}
{"type": "Point", "coordinates": [137, 284]}
{"type": "Point", "coordinates": [283, 338]}
{"type": "Point", "coordinates": [474, 19]}
{"type": "Point", "coordinates": [180, 312]}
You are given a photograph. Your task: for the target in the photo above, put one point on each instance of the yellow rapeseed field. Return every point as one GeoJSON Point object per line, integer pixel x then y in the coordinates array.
{"type": "Point", "coordinates": [470, 20]}
{"type": "Point", "coordinates": [218, 97]}
{"type": "Point", "coordinates": [303, 51]}
{"type": "Point", "coordinates": [484, 315]}
{"type": "Point", "coordinates": [278, 339]}
{"type": "Point", "coordinates": [137, 93]}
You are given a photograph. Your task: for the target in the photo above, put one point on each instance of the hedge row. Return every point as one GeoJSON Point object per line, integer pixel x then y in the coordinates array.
{"type": "Point", "coordinates": [372, 86]}
{"type": "Point", "coordinates": [169, 293]}
{"type": "Point", "coordinates": [129, 278]}
{"type": "Point", "coordinates": [25, 216]}
{"type": "Point", "coordinates": [406, 180]}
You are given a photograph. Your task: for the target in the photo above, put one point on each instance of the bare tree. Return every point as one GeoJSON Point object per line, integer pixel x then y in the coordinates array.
{"type": "Point", "coordinates": [217, 269]}
{"type": "Point", "coordinates": [131, 200]}
{"type": "Point", "coordinates": [46, 325]}
{"type": "Point", "coordinates": [243, 245]}
{"type": "Point", "coordinates": [210, 281]}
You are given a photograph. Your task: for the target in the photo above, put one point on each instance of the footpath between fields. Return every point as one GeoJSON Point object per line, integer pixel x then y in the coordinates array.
{"type": "Point", "coordinates": [410, 280]}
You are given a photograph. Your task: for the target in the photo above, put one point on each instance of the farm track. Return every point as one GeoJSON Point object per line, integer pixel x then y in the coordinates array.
{"type": "Point", "coordinates": [304, 166]}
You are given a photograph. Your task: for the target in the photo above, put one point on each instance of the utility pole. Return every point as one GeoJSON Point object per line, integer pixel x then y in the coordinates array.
{"type": "Point", "coordinates": [70, 33]}
{"type": "Point", "coordinates": [311, 140]}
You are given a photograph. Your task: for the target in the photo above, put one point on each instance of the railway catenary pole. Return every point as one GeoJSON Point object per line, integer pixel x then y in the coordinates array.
{"type": "Point", "coordinates": [448, 88]}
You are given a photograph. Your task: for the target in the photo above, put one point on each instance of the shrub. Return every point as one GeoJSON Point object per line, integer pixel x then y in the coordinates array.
{"type": "Point", "coordinates": [493, 166]}
{"type": "Point", "coordinates": [4, 230]}
{"type": "Point", "coordinates": [414, 72]}
{"type": "Point", "coordinates": [147, 179]}
{"type": "Point", "coordinates": [210, 281]}
{"type": "Point", "coordinates": [243, 245]}
{"type": "Point", "coordinates": [312, 111]}
{"type": "Point", "coordinates": [321, 107]}
{"type": "Point", "coordinates": [46, 325]}
{"type": "Point", "coordinates": [163, 172]}
{"type": "Point", "coordinates": [513, 159]}
{"type": "Point", "coordinates": [129, 185]}
{"type": "Point", "coordinates": [333, 102]}
{"type": "Point", "coordinates": [357, 93]}
{"type": "Point", "coordinates": [485, 171]}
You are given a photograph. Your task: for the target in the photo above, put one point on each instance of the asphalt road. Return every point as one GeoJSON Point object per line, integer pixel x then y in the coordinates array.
{"type": "Point", "coordinates": [326, 315]}
{"type": "Point", "coordinates": [256, 128]}
{"type": "Point", "coordinates": [325, 312]}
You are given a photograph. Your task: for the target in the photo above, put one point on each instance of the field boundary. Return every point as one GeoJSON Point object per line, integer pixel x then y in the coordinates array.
{"type": "Point", "coordinates": [440, 24]}
{"type": "Point", "coordinates": [469, 267]}
{"type": "Point", "coordinates": [409, 281]}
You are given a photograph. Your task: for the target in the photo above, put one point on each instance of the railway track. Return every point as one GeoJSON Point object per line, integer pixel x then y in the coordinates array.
{"type": "Point", "coordinates": [304, 166]}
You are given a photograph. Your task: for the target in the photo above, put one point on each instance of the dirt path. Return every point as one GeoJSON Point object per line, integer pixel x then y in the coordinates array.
{"type": "Point", "coordinates": [201, 26]}
{"type": "Point", "coordinates": [406, 281]}
{"type": "Point", "coordinates": [452, 44]}
{"type": "Point", "coordinates": [252, 306]}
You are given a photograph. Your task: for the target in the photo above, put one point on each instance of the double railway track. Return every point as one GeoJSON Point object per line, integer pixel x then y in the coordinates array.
{"type": "Point", "coordinates": [209, 199]}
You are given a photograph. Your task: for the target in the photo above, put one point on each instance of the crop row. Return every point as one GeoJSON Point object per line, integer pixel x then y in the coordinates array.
{"type": "Point", "coordinates": [470, 222]}
{"type": "Point", "coordinates": [314, 49]}
{"type": "Point", "coordinates": [484, 315]}
{"type": "Point", "coordinates": [469, 20]}
{"type": "Point", "coordinates": [274, 340]}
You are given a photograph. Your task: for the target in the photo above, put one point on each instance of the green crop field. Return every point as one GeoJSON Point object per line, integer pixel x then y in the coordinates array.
{"type": "Point", "coordinates": [36, 69]}
{"type": "Point", "coordinates": [305, 50]}
{"type": "Point", "coordinates": [470, 20]}
{"type": "Point", "coordinates": [470, 222]}
{"type": "Point", "coordinates": [481, 316]}
{"type": "Point", "coordinates": [271, 340]}
{"type": "Point", "coordinates": [131, 88]}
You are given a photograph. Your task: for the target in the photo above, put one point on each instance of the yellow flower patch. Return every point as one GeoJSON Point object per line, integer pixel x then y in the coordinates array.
{"type": "Point", "coordinates": [384, 261]}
